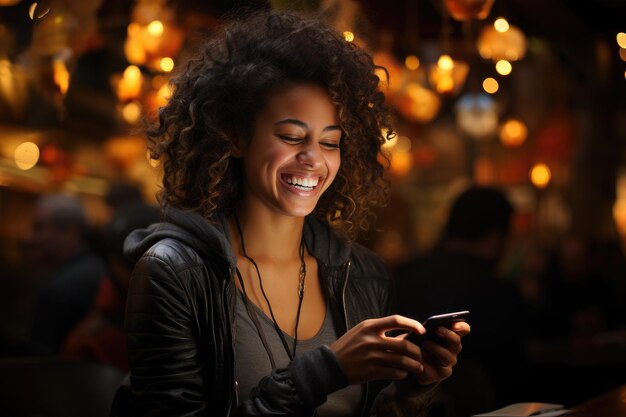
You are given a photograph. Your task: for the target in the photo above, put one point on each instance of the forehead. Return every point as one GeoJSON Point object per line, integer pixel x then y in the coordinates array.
{"type": "Point", "coordinates": [307, 102]}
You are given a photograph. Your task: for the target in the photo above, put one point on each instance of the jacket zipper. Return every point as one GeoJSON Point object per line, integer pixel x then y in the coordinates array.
{"type": "Point", "coordinates": [235, 384]}
{"type": "Point", "coordinates": [345, 317]}
{"type": "Point", "coordinates": [343, 295]}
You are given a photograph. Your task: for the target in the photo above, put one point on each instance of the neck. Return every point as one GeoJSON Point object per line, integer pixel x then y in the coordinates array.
{"type": "Point", "coordinates": [270, 237]}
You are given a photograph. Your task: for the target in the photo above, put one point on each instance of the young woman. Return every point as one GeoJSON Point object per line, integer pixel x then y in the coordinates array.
{"type": "Point", "coordinates": [250, 298]}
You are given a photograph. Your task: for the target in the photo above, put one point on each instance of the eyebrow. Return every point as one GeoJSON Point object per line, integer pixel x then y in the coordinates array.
{"type": "Point", "coordinates": [304, 125]}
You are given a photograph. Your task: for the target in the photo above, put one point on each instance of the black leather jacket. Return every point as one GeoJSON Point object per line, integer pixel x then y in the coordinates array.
{"type": "Point", "coordinates": [180, 315]}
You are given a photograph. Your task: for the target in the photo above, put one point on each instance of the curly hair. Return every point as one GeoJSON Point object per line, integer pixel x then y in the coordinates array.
{"type": "Point", "coordinates": [223, 88]}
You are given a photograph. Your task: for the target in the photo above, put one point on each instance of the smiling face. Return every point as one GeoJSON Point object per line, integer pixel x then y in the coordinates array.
{"type": "Point", "coordinates": [293, 155]}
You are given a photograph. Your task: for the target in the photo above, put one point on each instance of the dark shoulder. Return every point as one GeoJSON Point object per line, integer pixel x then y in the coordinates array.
{"type": "Point", "coordinates": [366, 262]}
{"type": "Point", "coordinates": [176, 254]}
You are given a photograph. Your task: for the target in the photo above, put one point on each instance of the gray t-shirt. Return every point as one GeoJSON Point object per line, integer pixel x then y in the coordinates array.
{"type": "Point", "coordinates": [252, 362]}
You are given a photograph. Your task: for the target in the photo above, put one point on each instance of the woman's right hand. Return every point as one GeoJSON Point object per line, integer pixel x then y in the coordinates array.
{"type": "Point", "coordinates": [365, 352]}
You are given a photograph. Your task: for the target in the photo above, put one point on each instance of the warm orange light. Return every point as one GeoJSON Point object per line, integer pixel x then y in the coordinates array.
{"type": "Point", "coordinates": [621, 39]}
{"type": "Point", "coordinates": [504, 67]}
{"type": "Point", "coordinates": [348, 36]}
{"type": "Point", "coordinates": [26, 155]}
{"type": "Point", "coordinates": [61, 75]}
{"type": "Point", "coordinates": [448, 75]}
{"type": "Point", "coordinates": [490, 85]}
{"type": "Point", "coordinates": [501, 25]}
{"type": "Point", "coordinates": [622, 53]}
{"type": "Point", "coordinates": [132, 73]}
{"type": "Point", "coordinates": [166, 64]}
{"type": "Point", "coordinates": [465, 10]}
{"type": "Point", "coordinates": [495, 45]}
{"type": "Point", "coordinates": [155, 28]}
{"type": "Point", "coordinates": [131, 112]}
{"type": "Point", "coordinates": [424, 104]}
{"type": "Point", "coordinates": [513, 133]}
{"type": "Point", "coordinates": [412, 62]}
{"type": "Point", "coordinates": [129, 86]}
{"type": "Point", "coordinates": [163, 95]}
{"type": "Point", "coordinates": [445, 63]}
{"type": "Point", "coordinates": [445, 84]}
{"type": "Point", "coordinates": [540, 175]}
{"type": "Point", "coordinates": [401, 163]}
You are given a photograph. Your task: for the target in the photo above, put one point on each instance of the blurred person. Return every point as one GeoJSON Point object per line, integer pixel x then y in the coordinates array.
{"type": "Point", "coordinates": [71, 274]}
{"type": "Point", "coordinates": [122, 193]}
{"type": "Point", "coordinates": [581, 300]}
{"type": "Point", "coordinates": [100, 336]}
{"type": "Point", "coordinates": [460, 274]}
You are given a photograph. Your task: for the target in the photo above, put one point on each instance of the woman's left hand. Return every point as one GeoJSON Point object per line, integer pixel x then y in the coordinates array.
{"type": "Point", "coordinates": [439, 357]}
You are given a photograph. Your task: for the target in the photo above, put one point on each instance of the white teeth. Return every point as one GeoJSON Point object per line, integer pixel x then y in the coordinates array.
{"type": "Point", "coordinates": [302, 182]}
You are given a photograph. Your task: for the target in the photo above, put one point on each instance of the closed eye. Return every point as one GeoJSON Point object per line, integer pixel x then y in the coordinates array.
{"type": "Point", "coordinates": [330, 145]}
{"type": "Point", "coordinates": [290, 139]}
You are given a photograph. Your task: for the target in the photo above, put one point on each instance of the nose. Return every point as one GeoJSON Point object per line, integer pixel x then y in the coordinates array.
{"type": "Point", "coordinates": [310, 155]}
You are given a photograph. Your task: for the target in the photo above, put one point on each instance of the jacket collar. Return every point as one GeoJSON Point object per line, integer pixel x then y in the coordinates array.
{"type": "Point", "coordinates": [212, 238]}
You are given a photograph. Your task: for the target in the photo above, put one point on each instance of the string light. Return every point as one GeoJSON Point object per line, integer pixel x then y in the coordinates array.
{"type": "Point", "coordinates": [501, 25]}
{"type": "Point", "coordinates": [131, 112]}
{"type": "Point", "coordinates": [490, 85]}
{"type": "Point", "coordinates": [513, 132]}
{"type": "Point", "coordinates": [348, 36]}
{"type": "Point", "coordinates": [167, 64]}
{"type": "Point", "coordinates": [540, 175]}
{"type": "Point", "coordinates": [621, 39]}
{"type": "Point", "coordinates": [155, 28]}
{"type": "Point", "coordinates": [504, 67]}
{"type": "Point", "coordinates": [26, 155]}
{"type": "Point", "coordinates": [412, 62]}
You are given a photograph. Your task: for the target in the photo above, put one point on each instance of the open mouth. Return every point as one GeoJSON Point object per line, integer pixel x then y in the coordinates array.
{"type": "Point", "coordinates": [301, 183]}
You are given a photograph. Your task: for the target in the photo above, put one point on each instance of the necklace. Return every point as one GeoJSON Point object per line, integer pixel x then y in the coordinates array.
{"type": "Point", "coordinates": [301, 279]}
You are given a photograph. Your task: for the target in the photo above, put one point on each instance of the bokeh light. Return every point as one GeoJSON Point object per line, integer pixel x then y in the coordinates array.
{"type": "Point", "coordinates": [490, 85]}
{"type": "Point", "coordinates": [412, 62]}
{"type": "Point", "coordinates": [540, 175]}
{"type": "Point", "coordinates": [156, 28]}
{"type": "Point", "coordinates": [131, 112]}
{"type": "Point", "coordinates": [166, 64]}
{"type": "Point", "coordinates": [504, 67]}
{"type": "Point", "coordinates": [348, 36]}
{"type": "Point", "coordinates": [501, 25]}
{"type": "Point", "coordinates": [26, 155]}
{"type": "Point", "coordinates": [513, 132]}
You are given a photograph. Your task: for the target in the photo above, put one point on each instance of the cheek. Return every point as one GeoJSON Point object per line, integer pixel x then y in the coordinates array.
{"type": "Point", "coordinates": [334, 163]}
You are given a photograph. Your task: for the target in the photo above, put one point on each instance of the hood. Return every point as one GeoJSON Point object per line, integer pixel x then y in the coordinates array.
{"type": "Point", "coordinates": [208, 239]}
{"type": "Point", "coordinates": [213, 239]}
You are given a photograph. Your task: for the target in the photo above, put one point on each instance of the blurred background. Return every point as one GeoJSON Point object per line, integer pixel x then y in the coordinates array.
{"type": "Point", "coordinates": [525, 96]}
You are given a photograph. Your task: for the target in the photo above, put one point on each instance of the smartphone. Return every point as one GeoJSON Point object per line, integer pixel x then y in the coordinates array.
{"type": "Point", "coordinates": [433, 322]}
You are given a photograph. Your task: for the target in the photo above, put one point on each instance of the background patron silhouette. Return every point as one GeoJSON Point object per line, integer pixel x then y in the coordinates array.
{"type": "Point", "coordinates": [460, 274]}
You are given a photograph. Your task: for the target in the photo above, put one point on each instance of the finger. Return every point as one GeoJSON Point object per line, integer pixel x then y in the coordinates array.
{"type": "Point", "coordinates": [398, 361]}
{"type": "Point", "coordinates": [443, 356]}
{"type": "Point", "coordinates": [395, 322]}
{"type": "Point", "coordinates": [401, 345]}
{"type": "Point", "coordinates": [448, 337]}
{"type": "Point", "coordinates": [461, 328]}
